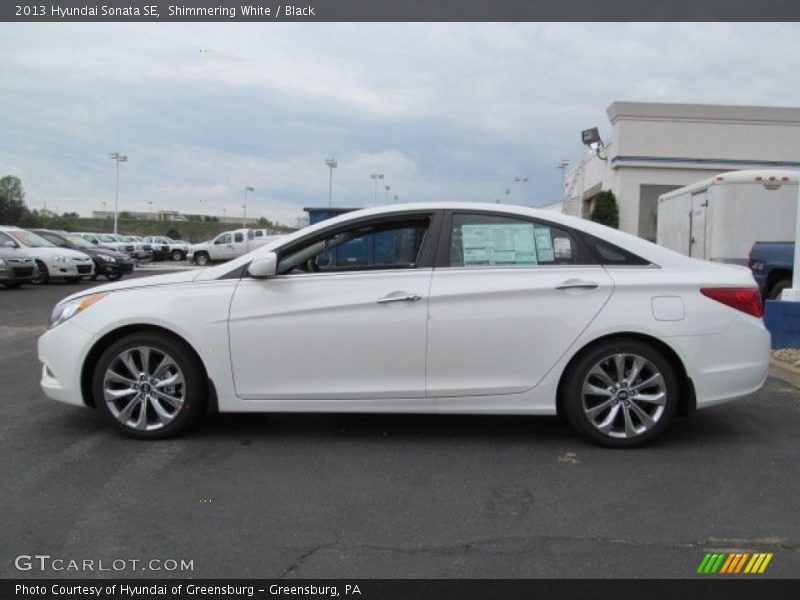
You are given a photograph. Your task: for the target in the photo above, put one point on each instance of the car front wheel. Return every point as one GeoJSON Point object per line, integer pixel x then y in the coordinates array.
{"type": "Point", "coordinates": [177, 255]}
{"type": "Point", "coordinates": [621, 394]}
{"type": "Point", "coordinates": [201, 259]}
{"type": "Point", "coordinates": [149, 385]}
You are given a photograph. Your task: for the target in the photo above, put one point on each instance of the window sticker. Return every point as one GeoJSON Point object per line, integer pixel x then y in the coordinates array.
{"type": "Point", "coordinates": [544, 244]}
{"type": "Point", "coordinates": [563, 247]}
{"type": "Point", "coordinates": [498, 244]}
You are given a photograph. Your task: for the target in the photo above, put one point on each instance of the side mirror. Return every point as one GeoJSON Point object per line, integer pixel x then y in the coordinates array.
{"type": "Point", "coordinates": [9, 244]}
{"type": "Point", "coordinates": [264, 267]}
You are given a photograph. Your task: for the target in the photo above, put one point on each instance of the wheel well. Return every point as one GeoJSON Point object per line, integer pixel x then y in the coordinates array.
{"type": "Point", "coordinates": [109, 338]}
{"type": "Point", "coordinates": [776, 275]}
{"type": "Point", "coordinates": [686, 394]}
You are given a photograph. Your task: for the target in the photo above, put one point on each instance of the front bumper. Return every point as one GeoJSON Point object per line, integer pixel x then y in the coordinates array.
{"type": "Point", "coordinates": [108, 268]}
{"type": "Point", "coordinates": [9, 274]}
{"type": "Point", "coordinates": [62, 351]}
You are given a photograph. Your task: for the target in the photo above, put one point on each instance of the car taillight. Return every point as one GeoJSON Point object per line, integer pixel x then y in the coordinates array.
{"type": "Point", "coordinates": [747, 299]}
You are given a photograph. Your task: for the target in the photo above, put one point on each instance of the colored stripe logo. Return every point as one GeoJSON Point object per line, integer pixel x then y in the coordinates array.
{"type": "Point", "coordinates": [734, 562]}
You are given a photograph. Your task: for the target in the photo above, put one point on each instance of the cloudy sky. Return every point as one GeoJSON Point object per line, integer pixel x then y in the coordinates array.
{"type": "Point", "coordinates": [445, 111]}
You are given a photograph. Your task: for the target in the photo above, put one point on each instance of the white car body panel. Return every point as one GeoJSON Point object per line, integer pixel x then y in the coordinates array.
{"type": "Point", "coordinates": [320, 342]}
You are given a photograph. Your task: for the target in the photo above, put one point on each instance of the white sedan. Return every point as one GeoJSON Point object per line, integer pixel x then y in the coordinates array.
{"type": "Point", "coordinates": [420, 308]}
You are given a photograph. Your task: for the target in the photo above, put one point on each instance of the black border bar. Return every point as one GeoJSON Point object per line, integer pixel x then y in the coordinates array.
{"type": "Point", "coordinates": [700, 588]}
{"type": "Point", "coordinates": [398, 10]}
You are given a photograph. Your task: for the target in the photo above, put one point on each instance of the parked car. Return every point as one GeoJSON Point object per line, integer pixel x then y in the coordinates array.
{"type": "Point", "coordinates": [107, 262]}
{"type": "Point", "coordinates": [226, 246]}
{"type": "Point", "coordinates": [772, 264]}
{"type": "Point", "coordinates": [51, 262]}
{"type": "Point", "coordinates": [426, 308]}
{"type": "Point", "coordinates": [164, 248]}
{"type": "Point", "coordinates": [16, 267]}
{"type": "Point", "coordinates": [142, 251]}
{"type": "Point", "coordinates": [109, 240]}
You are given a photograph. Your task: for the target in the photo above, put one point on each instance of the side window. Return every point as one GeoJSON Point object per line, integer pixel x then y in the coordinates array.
{"type": "Point", "coordinates": [383, 245]}
{"type": "Point", "coordinates": [609, 254]}
{"type": "Point", "coordinates": [259, 233]}
{"type": "Point", "coordinates": [489, 240]}
{"type": "Point", "coordinates": [238, 237]}
{"type": "Point", "coordinates": [5, 240]}
{"type": "Point", "coordinates": [224, 239]}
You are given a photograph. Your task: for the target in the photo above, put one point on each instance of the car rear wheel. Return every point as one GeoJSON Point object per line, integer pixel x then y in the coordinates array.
{"type": "Point", "coordinates": [177, 255]}
{"type": "Point", "coordinates": [149, 385]}
{"type": "Point", "coordinates": [201, 258]}
{"type": "Point", "coordinates": [621, 394]}
{"type": "Point", "coordinates": [42, 275]}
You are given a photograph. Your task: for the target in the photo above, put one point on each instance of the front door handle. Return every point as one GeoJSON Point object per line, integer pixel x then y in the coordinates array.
{"type": "Point", "coordinates": [577, 284]}
{"type": "Point", "coordinates": [401, 297]}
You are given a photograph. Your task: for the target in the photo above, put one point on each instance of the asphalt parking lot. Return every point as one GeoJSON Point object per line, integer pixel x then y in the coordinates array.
{"type": "Point", "coordinates": [387, 496]}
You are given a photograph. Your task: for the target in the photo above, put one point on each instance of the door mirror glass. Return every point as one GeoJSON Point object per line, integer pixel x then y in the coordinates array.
{"type": "Point", "coordinates": [264, 267]}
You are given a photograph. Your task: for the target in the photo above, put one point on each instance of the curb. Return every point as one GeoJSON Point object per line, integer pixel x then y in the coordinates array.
{"type": "Point", "coordinates": [785, 372]}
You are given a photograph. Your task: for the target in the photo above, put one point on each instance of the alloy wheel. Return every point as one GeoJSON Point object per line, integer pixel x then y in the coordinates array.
{"type": "Point", "coordinates": [144, 388]}
{"type": "Point", "coordinates": [624, 395]}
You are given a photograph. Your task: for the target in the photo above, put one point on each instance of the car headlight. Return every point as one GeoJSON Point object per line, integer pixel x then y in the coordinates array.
{"type": "Point", "coordinates": [107, 258]}
{"type": "Point", "coordinates": [66, 310]}
{"type": "Point", "coordinates": [60, 259]}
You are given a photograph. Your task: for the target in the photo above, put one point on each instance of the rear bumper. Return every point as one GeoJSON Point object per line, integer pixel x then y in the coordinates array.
{"type": "Point", "coordinates": [729, 365]}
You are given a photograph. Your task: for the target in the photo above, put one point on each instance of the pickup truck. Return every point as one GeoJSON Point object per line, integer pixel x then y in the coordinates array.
{"type": "Point", "coordinates": [165, 248]}
{"type": "Point", "coordinates": [227, 245]}
{"type": "Point", "coordinates": [771, 264]}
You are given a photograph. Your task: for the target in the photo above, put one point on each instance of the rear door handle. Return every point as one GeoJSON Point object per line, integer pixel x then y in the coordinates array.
{"type": "Point", "coordinates": [577, 284]}
{"type": "Point", "coordinates": [401, 297]}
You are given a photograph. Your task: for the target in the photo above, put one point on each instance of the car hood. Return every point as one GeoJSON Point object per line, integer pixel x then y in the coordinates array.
{"type": "Point", "coordinates": [49, 252]}
{"type": "Point", "coordinates": [182, 277]}
{"type": "Point", "coordinates": [98, 250]}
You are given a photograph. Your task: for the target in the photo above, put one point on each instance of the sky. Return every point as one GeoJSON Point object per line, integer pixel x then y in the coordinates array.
{"type": "Point", "coordinates": [443, 110]}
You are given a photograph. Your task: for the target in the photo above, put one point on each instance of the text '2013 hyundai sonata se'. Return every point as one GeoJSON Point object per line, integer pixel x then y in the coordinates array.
{"type": "Point", "coordinates": [420, 308]}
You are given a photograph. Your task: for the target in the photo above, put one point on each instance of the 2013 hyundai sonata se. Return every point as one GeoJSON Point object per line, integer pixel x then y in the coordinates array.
{"type": "Point", "coordinates": [420, 308]}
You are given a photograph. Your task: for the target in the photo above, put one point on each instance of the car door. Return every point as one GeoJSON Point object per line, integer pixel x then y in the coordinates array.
{"type": "Point", "coordinates": [344, 319]}
{"type": "Point", "coordinates": [222, 247]}
{"type": "Point", "coordinates": [511, 296]}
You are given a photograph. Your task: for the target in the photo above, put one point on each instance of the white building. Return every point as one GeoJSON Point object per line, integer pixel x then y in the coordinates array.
{"type": "Point", "coordinates": [655, 148]}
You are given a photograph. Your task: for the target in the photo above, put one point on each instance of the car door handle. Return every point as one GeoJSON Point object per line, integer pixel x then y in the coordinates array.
{"type": "Point", "coordinates": [399, 298]}
{"type": "Point", "coordinates": [577, 284]}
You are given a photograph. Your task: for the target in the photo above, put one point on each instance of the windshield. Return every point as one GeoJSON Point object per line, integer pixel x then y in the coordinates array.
{"type": "Point", "coordinates": [77, 241]}
{"type": "Point", "coordinates": [30, 239]}
{"type": "Point", "coordinates": [106, 238]}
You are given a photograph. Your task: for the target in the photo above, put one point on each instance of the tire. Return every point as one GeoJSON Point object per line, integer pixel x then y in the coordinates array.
{"type": "Point", "coordinates": [634, 421]}
{"type": "Point", "coordinates": [177, 255]}
{"type": "Point", "coordinates": [113, 276]}
{"type": "Point", "coordinates": [112, 382]}
{"type": "Point", "coordinates": [93, 277]}
{"type": "Point", "coordinates": [12, 285]}
{"type": "Point", "coordinates": [777, 289]}
{"type": "Point", "coordinates": [43, 275]}
{"type": "Point", "coordinates": [202, 259]}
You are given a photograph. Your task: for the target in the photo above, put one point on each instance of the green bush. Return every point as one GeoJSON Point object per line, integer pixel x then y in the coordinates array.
{"type": "Point", "coordinates": [606, 210]}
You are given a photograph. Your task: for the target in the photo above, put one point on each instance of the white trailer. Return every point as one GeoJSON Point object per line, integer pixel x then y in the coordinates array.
{"type": "Point", "coordinates": [720, 218]}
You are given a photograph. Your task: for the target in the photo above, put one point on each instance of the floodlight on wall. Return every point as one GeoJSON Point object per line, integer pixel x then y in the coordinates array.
{"type": "Point", "coordinates": [591, 137]}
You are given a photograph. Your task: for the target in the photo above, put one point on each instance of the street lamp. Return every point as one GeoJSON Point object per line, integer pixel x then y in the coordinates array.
{"type": "Point", "coordinates": [395, 198]}
{"type": "Point", "coordinates": [563, 167]}
{"type": "Point", "coordinates": [332, 164]}
{"type": "Point", "coordinates": [249, 188]}
{"type": "Point", "coordinates": [387, 188]}
{"type": "Point", "coordinates": [118, 158]}
{"type": "Point", "coordinates": [376, 177]}
{"type": "Point", "coordinates": [508, 191]}
{"type": "Point", "coordinates": [150, 216]}
{"type": "Point", "coordinates": [523, 182]}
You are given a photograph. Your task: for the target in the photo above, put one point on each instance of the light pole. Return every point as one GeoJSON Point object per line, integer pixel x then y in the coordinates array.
{"type": "Point", "coordinates": [117, 158]}
{"type": "Point", "coordinates": [376, 177]}
{"type": "Point", "coordinates": [522, 181]}
{"type": "Point", "coordinates": [387, 187]}
{"type": "Point", "coordinates": [508, 191]}
{"type": "Point", "coordinates": [562, 166]}
{"type": "Point", "coordinates": [224, 210]}
{"type": "Point", "coordinates": [332, 164]}
{"type": "Point", "coordinates": [395, 198]}
{"type": "Point", "coordinates": [249, 188]}
{"type": "Point", "coordinates": [150, 216]}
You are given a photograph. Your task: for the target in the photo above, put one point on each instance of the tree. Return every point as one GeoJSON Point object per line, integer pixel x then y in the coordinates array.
{"type": "Point", "coordinates": [605, 210]}
{"type": "Point", "coordinates": [12, 202]}
{"type": "Point", "coordinates": [174, 234]}
{"type": "Point", "coordinates": [125, 215]}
